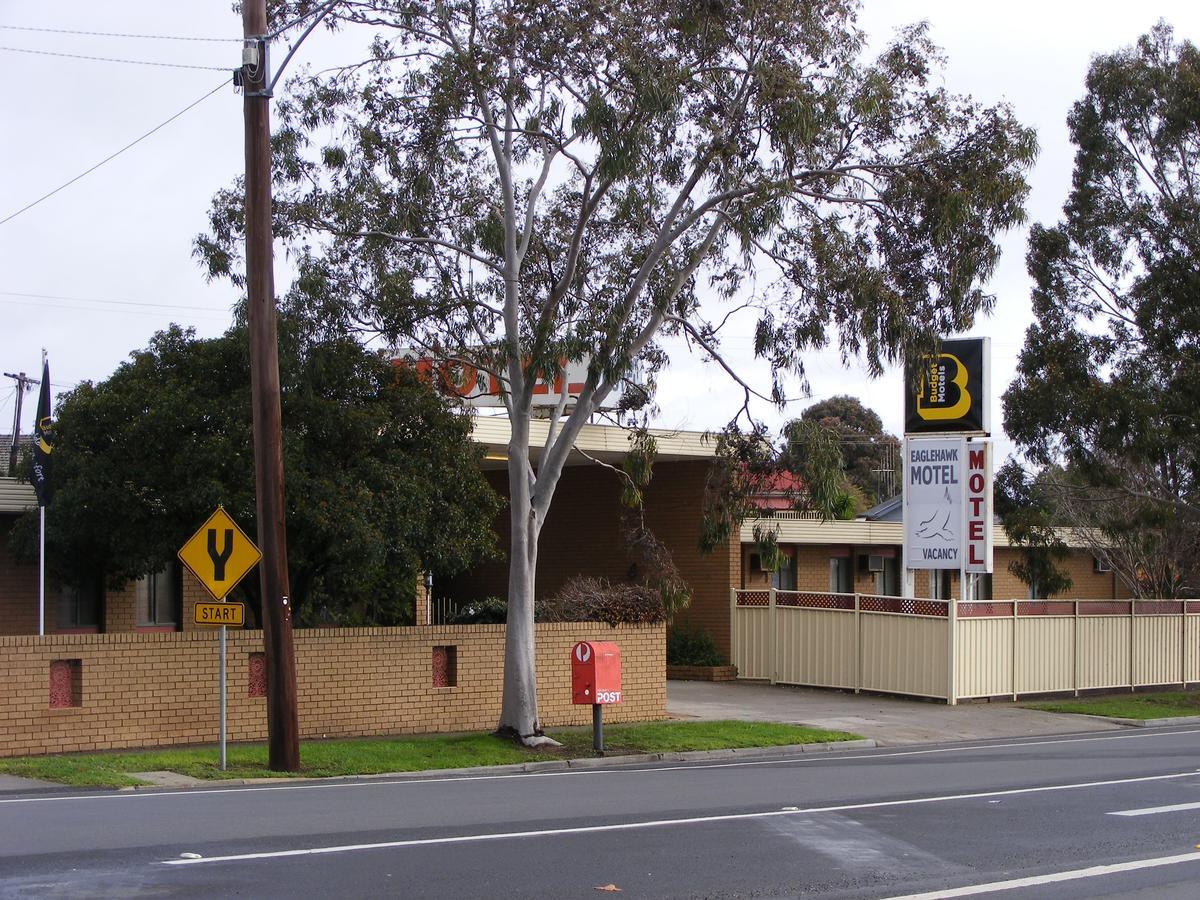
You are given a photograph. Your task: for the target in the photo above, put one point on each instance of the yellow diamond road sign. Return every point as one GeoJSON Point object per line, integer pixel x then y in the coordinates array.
{"type": "Point", "coordinates": [219, 554]}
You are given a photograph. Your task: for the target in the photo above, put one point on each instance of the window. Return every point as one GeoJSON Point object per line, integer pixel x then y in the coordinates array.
{"type": "Point", "coordinates": [981, 588]}
{"type": "Point", "coordinates": [79, 607]}
{"type": "Point", "coordinates": [784, 577]}
{"type": "Point", "coordinates": [887, 581]}
{"type": "Point", "coordinates": [939, 584]}
{"type": "Point", "coordinates": [157, 598]}
{"type": "Point", "coordinates": [841, 575]}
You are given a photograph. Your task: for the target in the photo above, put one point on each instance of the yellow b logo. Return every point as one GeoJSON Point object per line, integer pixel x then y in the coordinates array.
{"type": "Point", "coordinates": [934, 400]}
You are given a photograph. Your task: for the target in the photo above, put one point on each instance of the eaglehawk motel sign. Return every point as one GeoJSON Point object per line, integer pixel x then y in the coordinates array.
{"type": "Point", "coordinates": [947, 461]}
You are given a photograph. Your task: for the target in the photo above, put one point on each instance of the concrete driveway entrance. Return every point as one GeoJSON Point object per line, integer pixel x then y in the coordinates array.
{"type": "Point", "coordinates": [888, 720]}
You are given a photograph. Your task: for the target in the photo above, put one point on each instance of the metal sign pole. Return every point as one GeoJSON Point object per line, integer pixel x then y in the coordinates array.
{"type": "Point", "coordinates": [598, 728]}
{"type": "Point", "coordinates": [221, 728]}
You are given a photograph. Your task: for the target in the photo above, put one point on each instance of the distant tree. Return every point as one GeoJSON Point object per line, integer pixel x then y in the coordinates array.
{"type": "Point", "coordinates": [870, 455]}
{"type": "Point", "coordinates": [1106, 384]}
{"type": "Point", "coordinates": [383, 482]}
{"type": "Point", "coordinates": [1033, 519]}
{"type": "Point", "coordinates": [515, 183]}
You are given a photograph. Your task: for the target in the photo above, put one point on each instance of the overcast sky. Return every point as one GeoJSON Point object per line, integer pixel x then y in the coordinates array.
{"type": "Point", "coordinates": [92, 272]}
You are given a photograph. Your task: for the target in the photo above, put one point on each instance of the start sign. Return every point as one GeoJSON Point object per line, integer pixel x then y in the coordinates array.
{"type": "Point", "coordinates": [213, 614]}
{"type": "Point", "coordinates": [596, 673]}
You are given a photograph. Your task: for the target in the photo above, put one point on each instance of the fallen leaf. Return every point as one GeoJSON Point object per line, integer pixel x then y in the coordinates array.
{"type": "Point", "coordinates": [610, 888]}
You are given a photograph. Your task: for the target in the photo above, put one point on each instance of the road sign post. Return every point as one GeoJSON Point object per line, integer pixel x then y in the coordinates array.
{"type": "Point", "coordinates": [220, 555]}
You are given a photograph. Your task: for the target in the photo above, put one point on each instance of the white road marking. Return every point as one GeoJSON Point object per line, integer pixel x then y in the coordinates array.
{"type": "Point", "coordinates": [1035, 880]}
{"type": "Point", "coordinates": [1154, 810]}
{"type": "Point", "coordinates": [660, 823]}
{"type": "Point", "coordinates": [834, 757]}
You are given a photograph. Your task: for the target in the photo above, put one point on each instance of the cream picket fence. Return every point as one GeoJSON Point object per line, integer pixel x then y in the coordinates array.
{"type": "Point", "coordinates": [994, 649]}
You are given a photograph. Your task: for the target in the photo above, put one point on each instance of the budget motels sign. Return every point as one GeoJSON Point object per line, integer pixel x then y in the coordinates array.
{"type": "Point", "coordinates": [949, 391]}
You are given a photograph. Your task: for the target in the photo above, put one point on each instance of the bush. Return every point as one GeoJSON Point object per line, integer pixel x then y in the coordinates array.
{"type": "Point", "coordinates": [488, 611]}
{"type": "Point", "coordinates": [687, 647]}
{"type": "Point", "coordinates": [597, 600]}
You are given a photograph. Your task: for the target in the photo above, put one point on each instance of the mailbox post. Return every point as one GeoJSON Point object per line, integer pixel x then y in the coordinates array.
{"type": "Point", "coordinates": [596, 679]}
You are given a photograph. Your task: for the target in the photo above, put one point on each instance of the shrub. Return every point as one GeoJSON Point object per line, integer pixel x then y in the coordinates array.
{"type": "Point", "coordinates": [488, 611]}
{"type": "Point", "coordinates": [687, 647]}
{"type": "Point", "coordinates": [584, 599]}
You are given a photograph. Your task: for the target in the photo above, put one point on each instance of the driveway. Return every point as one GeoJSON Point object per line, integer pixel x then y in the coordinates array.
{"type": "Point", "coordinates": [888, 720]}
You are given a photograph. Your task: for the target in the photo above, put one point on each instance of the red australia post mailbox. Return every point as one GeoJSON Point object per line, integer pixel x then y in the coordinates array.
{"type": "Point", "coordinates": [596, 673]}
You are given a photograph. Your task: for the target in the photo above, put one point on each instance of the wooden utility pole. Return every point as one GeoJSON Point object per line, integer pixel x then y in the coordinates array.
{"type": "Point", "coordinates": [23, 382]}
{"type": "Point", "coordinates": [282, 724]}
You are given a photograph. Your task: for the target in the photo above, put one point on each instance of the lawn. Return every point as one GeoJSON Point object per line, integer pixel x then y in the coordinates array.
{"type": "Point", "coordinates": [1129, 706]}
{"type": "Point", "coordinates": [407, 754]}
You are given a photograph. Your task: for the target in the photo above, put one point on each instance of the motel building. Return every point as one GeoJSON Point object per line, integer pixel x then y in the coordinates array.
{"type": "Point", "coordinates": [582, 536]}
{"type": "Point", "coordinates": [837, 612]}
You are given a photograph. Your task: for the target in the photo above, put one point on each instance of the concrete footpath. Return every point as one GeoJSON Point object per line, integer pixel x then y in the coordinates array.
{"type": "Point", "coordinates": [886, 720]}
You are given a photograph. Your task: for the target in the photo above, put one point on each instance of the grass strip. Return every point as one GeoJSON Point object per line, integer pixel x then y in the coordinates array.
{"type": "Point", "coordinates": [1164, 705]}
{"type": "Point", "coordinates": [407, 754]}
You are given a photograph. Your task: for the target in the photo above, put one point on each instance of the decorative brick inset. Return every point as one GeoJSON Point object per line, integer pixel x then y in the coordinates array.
{"type": "Point", "coordinates": [258, 675]}
{"type": "Point", "coordinates": [66, 683]}
{"type": "Point", "coordinates": [445, 666]}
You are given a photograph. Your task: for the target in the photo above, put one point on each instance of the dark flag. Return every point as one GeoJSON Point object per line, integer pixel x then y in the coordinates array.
{"type": "Point", "coordinates": [43, 441]}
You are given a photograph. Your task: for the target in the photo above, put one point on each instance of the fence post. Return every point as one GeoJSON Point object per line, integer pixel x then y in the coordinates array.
{"type": "Point", "coordinates": [733, 627]}
{"type": "Point", "coordinates": [1014, 649]}
{"type": "Point", "coordinates": [1132, 644]}
{"type": "Point", "coordinates": [1183, 645]}
{"type": "Point", "coordinates": [771, 639]}
{"type": "Point", "coordinates": [952, 642]}
{"type": "Point", "coordinates": [858, 643]}
{"type": "Point", "coordinates": [1075, 653]}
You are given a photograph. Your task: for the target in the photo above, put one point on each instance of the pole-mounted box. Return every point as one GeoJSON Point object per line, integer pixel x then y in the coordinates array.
{"type": "Point", "coordinates": [596, 673]}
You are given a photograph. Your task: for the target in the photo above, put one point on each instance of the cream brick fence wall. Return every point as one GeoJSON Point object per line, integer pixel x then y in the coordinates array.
{"type": "Point", "coordinates": [103, 691]}
{"type": "Point", "coordinates": [998, 648]}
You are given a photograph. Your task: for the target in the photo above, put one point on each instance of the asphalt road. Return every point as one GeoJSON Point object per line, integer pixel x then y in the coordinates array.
{"type": "Point", "coordinates": [949, 820]}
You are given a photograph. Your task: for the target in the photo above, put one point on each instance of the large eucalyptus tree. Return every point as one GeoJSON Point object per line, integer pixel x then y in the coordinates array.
{"type": "Point", "coordinates": [519, 182]}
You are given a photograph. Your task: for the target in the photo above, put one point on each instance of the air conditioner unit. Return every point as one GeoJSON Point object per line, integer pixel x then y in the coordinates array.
{"type": "Point", "coordinates": [872, 562]}
{"type": "Point", "coordinates": [1100, 565]}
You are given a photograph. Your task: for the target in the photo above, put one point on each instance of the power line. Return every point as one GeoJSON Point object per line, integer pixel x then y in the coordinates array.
{"type": "Point", "coordinates": [133, 143]}
{"type": "Point", "coordinates": [102, 300]}
{"type": "Point", "coordinates": [119, 34]}
{"type": "Point", "coordinates": [132, 62]}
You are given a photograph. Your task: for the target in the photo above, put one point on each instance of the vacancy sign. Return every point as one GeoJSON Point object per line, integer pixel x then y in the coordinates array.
{"type": "Point", "coordinates": [979, 507]}
{"type": "Point", "coordinates": [219, 554]}
{"type": "Point", "coordinates": [933, 502]}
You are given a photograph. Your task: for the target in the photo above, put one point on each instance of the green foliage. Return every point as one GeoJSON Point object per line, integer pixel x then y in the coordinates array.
{"type": "Point", "coordinates": [691, 647]}
{"type": "Point", "coordinates": [488, 611]}
{"type": "Point", "coordinates": [584, 599]}
{"type": "Point", "coordinates": [382, 480]}
{"type": "Point", "coordinates": [1106, 382]}
{"type": "Point", "coordinates": [1026, 506]}
{"type": "Point", "coordinates": [869, 455]}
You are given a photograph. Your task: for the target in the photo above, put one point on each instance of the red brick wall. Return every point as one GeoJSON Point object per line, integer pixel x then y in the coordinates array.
{"type": "Point", "coordinates": [141, 690]}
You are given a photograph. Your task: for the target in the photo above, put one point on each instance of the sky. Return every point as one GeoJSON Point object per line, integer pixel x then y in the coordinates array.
{"type": "Point", "coordinates": [92, 272]}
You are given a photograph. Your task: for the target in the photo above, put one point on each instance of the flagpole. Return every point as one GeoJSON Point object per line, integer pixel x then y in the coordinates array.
{"type": "Point", "coordinates": [42, 571]}
{"type": "Point", "coordinates": [42, 523]}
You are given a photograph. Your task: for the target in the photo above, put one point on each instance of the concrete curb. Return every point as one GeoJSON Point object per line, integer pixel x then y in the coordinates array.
{"type": "Point", "coordinates": [533, 768]}
{"type": "Point", "coordinates": [1153, 723]}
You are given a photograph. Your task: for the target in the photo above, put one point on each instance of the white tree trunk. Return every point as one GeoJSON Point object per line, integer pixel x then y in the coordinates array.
{"type": "Point", "coordinates": [518, 712]}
